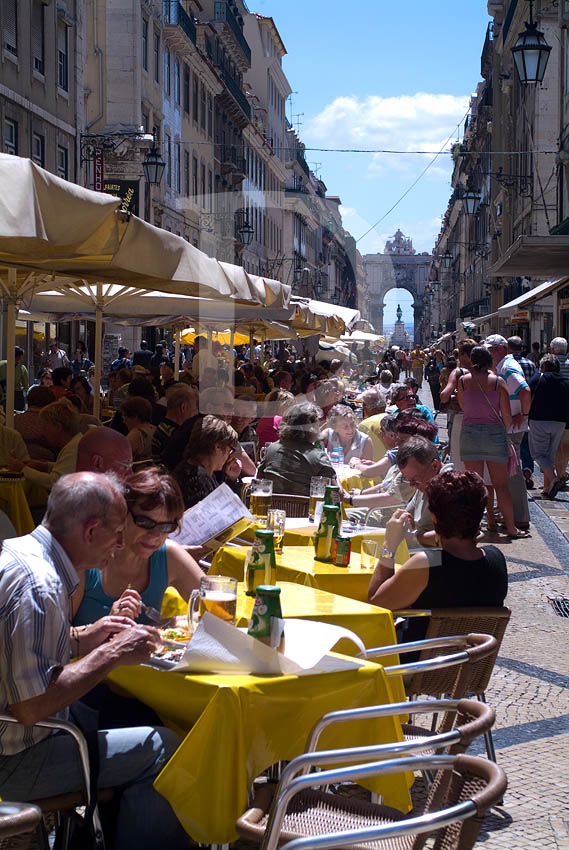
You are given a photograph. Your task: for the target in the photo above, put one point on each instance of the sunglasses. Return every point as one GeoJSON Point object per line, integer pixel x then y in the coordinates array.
{"type": "Point", "coordinates": [148, 524]}
{"type": "Point", "coordinates": [408, 398]}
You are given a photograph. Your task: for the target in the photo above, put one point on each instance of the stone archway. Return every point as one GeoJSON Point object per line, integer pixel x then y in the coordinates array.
{"type": "Point", "coordinates": [378, 306]}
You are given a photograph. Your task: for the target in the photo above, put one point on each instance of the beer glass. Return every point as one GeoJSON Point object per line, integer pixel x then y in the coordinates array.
{"type": "Point", "coordinates": [317, 487]}
{"type": "Point", "coordinates": [261, 497]}
{"type": "Point", "coordinates": [276, 520]}
{"type": "Point", "coordinates": [368, 555]}
{"type": "Point", "coordinates": [218, 596]}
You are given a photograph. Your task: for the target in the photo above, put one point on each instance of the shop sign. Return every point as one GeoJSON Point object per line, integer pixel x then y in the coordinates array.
{"type": "Point", "coordinates": [520, 316]}
{"type": "Point", "coordinates": [98, 166]}
{"type": "Point", "coordinates": [127, 191]}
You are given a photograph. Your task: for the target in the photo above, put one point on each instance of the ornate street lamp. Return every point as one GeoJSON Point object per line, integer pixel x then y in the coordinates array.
{"type": "Point", "coordinates": [153, 166]}
{"type": "Point", "coordinates": [446, 260]}
{"type": "Point", "coordinates": [246, 231]}
{"type": "Point", "coordinates": [471, 201]}
{"type": "Point", "coordinates": [531, 52]}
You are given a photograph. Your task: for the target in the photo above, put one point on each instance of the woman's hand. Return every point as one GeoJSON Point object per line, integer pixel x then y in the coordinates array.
{"type": "Point", "coordinates": [128, 605]}
{"type": "Point", "coordinates": [397, 527]}
{"type": "Point", "coordinates": [15, 465]}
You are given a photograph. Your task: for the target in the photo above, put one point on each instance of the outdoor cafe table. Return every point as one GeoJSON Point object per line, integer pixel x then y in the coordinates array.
{"type": "Point", "coordinates": [297, 564]}
{"type": "Point", "coordinates": [236, 726]}
{"type": "Point", "coordinates": [299, 531]}
{"type": "Point", "coordinates": [372, 624]}
{"type": "Point", "coordinates": [14, 503]}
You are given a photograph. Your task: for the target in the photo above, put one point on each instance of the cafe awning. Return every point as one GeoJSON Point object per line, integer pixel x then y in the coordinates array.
{"type": "Point", "coordinates": [535, 256]}
{"type": "Point", "coordinates": [522, 302]}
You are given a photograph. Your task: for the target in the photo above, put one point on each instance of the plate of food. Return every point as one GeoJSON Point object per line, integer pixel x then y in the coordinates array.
{"type": "Point", "coordinates": [170, 649]}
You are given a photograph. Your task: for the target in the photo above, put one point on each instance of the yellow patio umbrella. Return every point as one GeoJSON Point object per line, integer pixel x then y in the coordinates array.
{"type": "Point", "coordinates": [188, 336]}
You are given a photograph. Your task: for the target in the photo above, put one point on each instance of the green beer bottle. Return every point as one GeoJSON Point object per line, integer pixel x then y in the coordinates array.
{"type": "Point", "coordinates": [332, 495]}
{"type": "Point", "coordinates": [267, 605]}
{"type": "Point", "coordinates": [262, 568]}
{"type": "Point", "coordinates": [328, 530]}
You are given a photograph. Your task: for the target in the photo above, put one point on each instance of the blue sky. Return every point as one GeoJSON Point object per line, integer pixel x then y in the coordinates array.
{"type": "Point", "coordinates": [377, 74]}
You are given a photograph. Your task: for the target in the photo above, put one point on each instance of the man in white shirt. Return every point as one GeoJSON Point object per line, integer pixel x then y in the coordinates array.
{"type": "Point", "coordinates": [507, 367]}
{"type": "Point", "coordinates": [203, 359]}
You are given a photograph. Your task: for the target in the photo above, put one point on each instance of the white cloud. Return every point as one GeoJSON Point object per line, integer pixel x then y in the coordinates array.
{"type": "Point", "coordinates": [421, 121]}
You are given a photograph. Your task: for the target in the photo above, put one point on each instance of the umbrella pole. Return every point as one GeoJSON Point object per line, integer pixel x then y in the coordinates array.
{"type": "Point", "coordinates": [98, 353]}
{"type": "Point", "coordinates": [11, 315]}
{"type": "Point", "coordinates": [232, 357]}
{"type": "Point", "coordinates": [177, 334]}
{"type": "Point", "coordinates": [251, 344]}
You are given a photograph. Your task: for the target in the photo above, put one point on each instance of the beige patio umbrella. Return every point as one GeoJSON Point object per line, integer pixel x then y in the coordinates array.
{"type": "Point", "coordinates": [56, 227]}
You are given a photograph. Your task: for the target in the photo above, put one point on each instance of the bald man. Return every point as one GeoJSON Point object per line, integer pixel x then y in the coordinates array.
{"type": "Point", "coordinates": [104, 450]}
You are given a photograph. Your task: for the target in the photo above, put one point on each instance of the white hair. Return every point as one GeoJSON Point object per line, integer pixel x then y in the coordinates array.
{"type": "Point", "coordinates": [558, 345]}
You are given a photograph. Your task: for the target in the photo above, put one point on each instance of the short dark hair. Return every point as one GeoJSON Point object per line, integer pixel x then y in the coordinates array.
{"type": "Point", "coordinates": [465, 346]}
{"type": "Point", "coordinates": [515, 343]}
{"type": "Point", "coordinates": [18, 351]}
{"type": "Point", "coordinates": [154, 488]}
{"type": "Point", "coordinates": [419, 449]}
{"type": "Point", "coordinates": [457, 500]}
{"type": "Point", "coordinates": [416, 426]}
{"type": "Point", "coordinates": [40, 397]}
{"type": "Point", "coordinates": [59, 375]}
{"type": "Point", "coordinates": [138, 407]}
{"type": "Point", "coordinates": [481, 357]}
{"type": "Point", "coordinates": [141, 387]}
{"type": "Point", "coordinates": [307, 379]}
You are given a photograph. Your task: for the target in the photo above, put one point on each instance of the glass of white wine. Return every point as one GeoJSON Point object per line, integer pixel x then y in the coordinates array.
{"type": "Point", "coordinates": [276, 521]}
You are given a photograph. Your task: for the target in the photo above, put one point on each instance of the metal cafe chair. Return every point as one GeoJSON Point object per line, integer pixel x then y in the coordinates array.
{"type": "Point", "coordinates": [305, 818]}
{"type": "Point", "coordinates": [453, 621]}
{"type": "Point", "coordinates": [64, 805]}
{"type": "Point", "coordinates": [19, 824]}
{"type": "Point", "coordinates": [471, 720]}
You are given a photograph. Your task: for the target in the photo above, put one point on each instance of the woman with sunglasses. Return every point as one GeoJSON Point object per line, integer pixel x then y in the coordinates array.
{"type": "Point", "coordinates": [148, 563]}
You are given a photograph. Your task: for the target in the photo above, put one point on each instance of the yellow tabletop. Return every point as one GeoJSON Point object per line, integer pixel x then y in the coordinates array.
{"type": "Point", "coordinates": [301, 532]}
{"type": "Point", "coordinates": [372, 624]}
{"type": "Point", "coordinates": [237, 726]}
{"type": "Point", "coordinates": [14, 503]}
{"type": "Point", "coordinates": [297, 564]}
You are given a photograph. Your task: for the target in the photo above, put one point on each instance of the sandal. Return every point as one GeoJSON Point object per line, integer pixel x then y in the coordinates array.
{"type": "Point", "coordinates": [519, 535]}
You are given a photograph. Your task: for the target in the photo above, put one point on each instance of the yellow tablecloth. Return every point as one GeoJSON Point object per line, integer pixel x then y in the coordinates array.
{"type": "Point", "coordinates": [297, 564]}
{"type": "Point", "coordinates": [237, 726]}
{"type": "Point", "coordinates": [372, 624]}
{"type": "Point", "coordinates": [13, 501]}
{"type": "Point", "coordinates": [304, 534]}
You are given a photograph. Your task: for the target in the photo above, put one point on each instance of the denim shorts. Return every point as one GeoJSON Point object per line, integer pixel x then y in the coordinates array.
{"type": "Point", "coordinates": [484, 442]}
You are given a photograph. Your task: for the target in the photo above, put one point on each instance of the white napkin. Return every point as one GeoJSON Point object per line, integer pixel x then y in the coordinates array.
{"type": "Point", "coordinates": [217, 647]}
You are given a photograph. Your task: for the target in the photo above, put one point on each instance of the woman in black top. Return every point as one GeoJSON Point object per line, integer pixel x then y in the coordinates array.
{"type": "Point", "coordinates": [459, 574]}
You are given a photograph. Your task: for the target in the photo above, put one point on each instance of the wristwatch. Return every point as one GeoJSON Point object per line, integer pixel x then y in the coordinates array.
{"type": "Point", "coordinates": [384, 552]}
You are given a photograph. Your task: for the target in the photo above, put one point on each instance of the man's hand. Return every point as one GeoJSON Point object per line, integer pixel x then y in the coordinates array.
{"type": "Point", "coordinates": [129, 604]}
{"type": "Point", "coordinates": [135, 645]}
{"type": "Point", "coordinates": [232, 469]}
{"type": "Point", "coordinates": [100, 632]}
{"type": "Point", "coordinates": [518, 420]}
{"type": "Point", "coordinates": [15, 465]}
{"type": "Point", "coordinates": [397, 527]}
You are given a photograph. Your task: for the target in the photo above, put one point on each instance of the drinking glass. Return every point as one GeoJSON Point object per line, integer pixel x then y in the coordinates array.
{"type": "Point", "coordinates": [276, 520]}
{"type": "Point", "coordinates": [261, 497]}
{"type": "Point", "coordinates": [317, 487]}
{"type": "Point", "coordinates": [368, 555]}
{"type": "Point", "coordinates": [218, 596]}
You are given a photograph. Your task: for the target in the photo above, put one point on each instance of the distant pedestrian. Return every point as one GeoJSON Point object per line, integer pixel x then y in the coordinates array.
{"type": "Point", "coordinates": [547, 418]}
{"type": "Point", "coordinates": [418, 359]}
{"type": "Point", "coordinates": [558, 346]}
{"type": "Point", "coordinates": [56, 357]}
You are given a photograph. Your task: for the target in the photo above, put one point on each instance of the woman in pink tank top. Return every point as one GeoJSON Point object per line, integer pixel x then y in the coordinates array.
{"type": "Point", "coordinates": [484, 399]}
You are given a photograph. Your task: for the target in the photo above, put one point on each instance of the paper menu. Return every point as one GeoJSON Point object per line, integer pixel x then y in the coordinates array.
{"type": "Point", "coordinates": [214, 520]}
{"type": "Point", "coordinates": [217, 647]}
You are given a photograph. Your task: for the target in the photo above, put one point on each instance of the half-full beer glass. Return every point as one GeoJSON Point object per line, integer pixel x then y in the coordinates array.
{"type": "Point", "coordinates": [261, 498]}
{"type": "Point", "coordinates": [218, 596]}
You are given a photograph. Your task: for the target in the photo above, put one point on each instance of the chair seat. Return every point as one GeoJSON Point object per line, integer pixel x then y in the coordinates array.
{"type": "Point", "coordinates": [18, 819]}
{"type": "Point", "coordinates": [65, 802]}
{"type": "Point", "coordinates": [315, 813]}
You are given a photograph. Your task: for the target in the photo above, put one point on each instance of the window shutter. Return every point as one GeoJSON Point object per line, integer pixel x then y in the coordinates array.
{"type": "Point", "coordinates": [11, 26]}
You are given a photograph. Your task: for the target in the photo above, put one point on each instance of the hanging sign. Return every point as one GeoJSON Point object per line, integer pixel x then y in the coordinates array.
{"type": "Point", "coordinates": [98, 169]}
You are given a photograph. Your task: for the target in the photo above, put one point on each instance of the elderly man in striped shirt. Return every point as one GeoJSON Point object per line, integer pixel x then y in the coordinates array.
{"type": "Point", "coordinates": [83, 526]}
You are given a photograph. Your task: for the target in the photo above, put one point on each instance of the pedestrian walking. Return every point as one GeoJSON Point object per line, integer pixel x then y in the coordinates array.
{"type": "Point", "coordinates": [56, 357]}
{"type": "Point", "coordinates": [515, 347]}
{"type": "Point", "coordinates": [558, 346]}
{"type": "Point", "coordinates": [547, 418]}
{"type": "Point", "coordinates": [418, 359]}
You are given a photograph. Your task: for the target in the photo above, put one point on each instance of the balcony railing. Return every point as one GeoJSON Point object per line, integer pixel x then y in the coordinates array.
{"type": "Point", "coordinates": [475, 308]}
{"type": "Point", "coordinates": [224, 13]}
{"type": "Point", "coordinates": [174, 14]}
{"type": "Point", "coordinates": [302, 162]}
{"type": "Point", "coordinates": [236, 93]}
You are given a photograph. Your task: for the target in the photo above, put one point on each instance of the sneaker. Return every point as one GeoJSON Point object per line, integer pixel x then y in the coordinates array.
{"type": "Point", "coordinates": [529, 480]}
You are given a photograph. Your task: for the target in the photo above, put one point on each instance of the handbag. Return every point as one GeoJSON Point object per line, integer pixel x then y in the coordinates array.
{"type": "Point", "coordinates": [512, 461]}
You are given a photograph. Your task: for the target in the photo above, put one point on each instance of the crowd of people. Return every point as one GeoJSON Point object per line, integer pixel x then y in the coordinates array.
{"type": "Point", "coordinates": [164, 444]}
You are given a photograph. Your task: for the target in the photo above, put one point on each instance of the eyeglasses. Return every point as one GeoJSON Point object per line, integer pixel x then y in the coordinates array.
{"type": "Point", "coordinates": [410, 397]}
{"type": "Point", "coordinates": [148, 524]}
